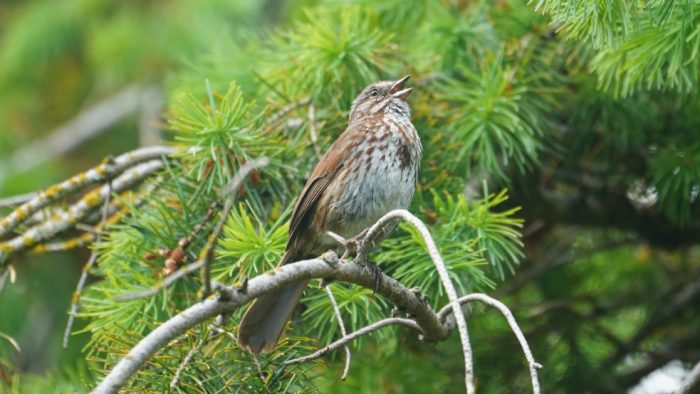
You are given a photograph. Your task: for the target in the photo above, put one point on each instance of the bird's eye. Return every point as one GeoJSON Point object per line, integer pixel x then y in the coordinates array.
{"type": "Point", "coordinates": [374, 93]}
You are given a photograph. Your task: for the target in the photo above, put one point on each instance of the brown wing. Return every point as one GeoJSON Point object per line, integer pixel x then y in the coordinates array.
{"type": "Point", "coordinates": [325, 171]}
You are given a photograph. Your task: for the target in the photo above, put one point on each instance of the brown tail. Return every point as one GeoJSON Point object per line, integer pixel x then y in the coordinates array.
{"type": "Point", "coordinates": [263, 323]}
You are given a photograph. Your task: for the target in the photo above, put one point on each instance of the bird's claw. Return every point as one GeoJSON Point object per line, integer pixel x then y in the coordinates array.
{"type": "Point", "coordinates": [352, 245]}
{"type": "Point", "coordinates": [330, 258]}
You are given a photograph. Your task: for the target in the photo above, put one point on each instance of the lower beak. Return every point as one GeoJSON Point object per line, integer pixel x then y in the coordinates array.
{"type": "Point", "coordinates": [396, 90]}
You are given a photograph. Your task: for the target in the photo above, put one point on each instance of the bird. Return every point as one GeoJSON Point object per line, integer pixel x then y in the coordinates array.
{"type": "Point", "coordinates": [370, 169]}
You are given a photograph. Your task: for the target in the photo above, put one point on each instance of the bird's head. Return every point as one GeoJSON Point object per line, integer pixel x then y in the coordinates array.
{"type": "Point", "coordinates": [381, 97]}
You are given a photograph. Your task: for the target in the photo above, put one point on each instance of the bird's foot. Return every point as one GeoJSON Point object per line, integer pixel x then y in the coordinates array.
{"type": "Point", "coordinates": [330, 258]}
{"type": "Point", "coordinates": [352, 245]}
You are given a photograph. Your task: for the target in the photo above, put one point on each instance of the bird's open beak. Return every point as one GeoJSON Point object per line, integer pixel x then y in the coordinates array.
{"type": "Point", "coordinates": [396, 90]}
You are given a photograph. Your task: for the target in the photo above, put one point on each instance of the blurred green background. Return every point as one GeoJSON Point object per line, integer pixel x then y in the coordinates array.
{"type": "Point", "coordinates": [586, 111]}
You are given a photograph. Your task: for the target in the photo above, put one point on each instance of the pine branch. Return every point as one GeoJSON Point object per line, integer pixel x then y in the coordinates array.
{"type": "Point", "coordinates": [46, 230]}
{"type": "Point", "coordinates": [425, 320]}
{"type": "Point", "coordinates": [107, 170]}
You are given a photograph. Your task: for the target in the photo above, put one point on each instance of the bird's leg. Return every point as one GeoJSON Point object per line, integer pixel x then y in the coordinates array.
{"type": "Point", "coordinates": [353, 244]}
{"type": "Point", "coordinates": [351, 247]}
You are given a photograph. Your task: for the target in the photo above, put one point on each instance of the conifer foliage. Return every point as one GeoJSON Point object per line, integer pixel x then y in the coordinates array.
{"type": "Point", "coordinates": [584, 114]}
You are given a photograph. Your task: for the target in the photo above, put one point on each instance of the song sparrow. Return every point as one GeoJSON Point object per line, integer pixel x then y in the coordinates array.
{"type": "Point", "coordinates": [369, 170]}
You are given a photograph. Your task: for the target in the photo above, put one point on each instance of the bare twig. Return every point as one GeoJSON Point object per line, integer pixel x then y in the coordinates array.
{"type": "Point", "coordinates": [186, 360]}
{"type": "Point", "coordinates": [7, 272]}
{"type": "Point", "coordinates": [107, 170]}
{"type": "Point", "coordinates": [285, 110]}
{"type": "Point", "coordinates": [349, 338]}
{"type": "Point", "coordinates": [339, 317]}
{"type": "Point", "coordinates": [77, 211]}
{"type": "Point", "coordinates": [312, 131]}
{"type": "Point", "coordinates": [229, 194]}
{"type": "Point", "coordinates": [378, 228]}
{"type": "Point", "coordinates": [691, 383]}
{"type": "Point", "coordinates": [87, 124]}
{"type": "Point", "coordinates": [218, 330]}
{"type": "Point", "coordinates": [532, 364]}
{"type": "Point", "coordinates": [75, 302]}
{"type": "Point", "coordinates": [167, 282]}
{"type": "Point", "coordinates": [12, 341]}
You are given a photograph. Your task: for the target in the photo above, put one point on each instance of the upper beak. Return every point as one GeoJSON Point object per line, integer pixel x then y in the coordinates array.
{"type": "Point", "coordinates": [396, 90]}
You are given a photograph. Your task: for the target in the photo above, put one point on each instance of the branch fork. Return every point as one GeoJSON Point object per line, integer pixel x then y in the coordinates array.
{"type": "Point", "coordinates": [430, 326]}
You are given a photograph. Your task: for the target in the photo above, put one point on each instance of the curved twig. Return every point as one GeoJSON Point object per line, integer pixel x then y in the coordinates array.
{"type": "Point", "coordinates": [367, 244]}
{"type": "Point", "coordinates": [349, 338]}
{"type": "Point", "coordinates": [341, 324]}
{"type": "Point", "coordinates": [532, 364]}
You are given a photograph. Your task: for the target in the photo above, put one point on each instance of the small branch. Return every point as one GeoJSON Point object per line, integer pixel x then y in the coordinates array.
{"type": "Point", "coordinates": [286, 109]}
{"type": "Point", "coordinates": [378, 229]}
{"type": "Point", "coordinates": [75, 302]}
{"type": "Point", "coordinates": [80, 240]}
{"type": "Point", "coordinates": [218, 330]}
{"type": "Point", "coordinates": [122, 209]}
{"type": "Point", "coordinates": [77, 211]}
{"type": "Point", "coordinates": [7, 272]}
{"type": "Point", "coordinates": [167, 282]}
{"type": "Point", "coordinates": [12, 342]}
{"type": "Point", "coordinates": [186, 360]}
{"type": "Point", "coordinates": [89, 123]}
{"type": "Point", "coordinates": [107, 170]}
{"type": "Point", "coordinates": [229, 195]}
{"type": "Point", "coordinates": [532, 364]}
{"type": "Point", "coordinates": [691, 383]}
{"type": "Point", "coordinates": [339, 317]}
{"type": "Point", "coordinates": [349, 338]}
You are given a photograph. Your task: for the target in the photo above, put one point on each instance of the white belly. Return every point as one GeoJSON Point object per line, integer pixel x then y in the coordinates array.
{"type": "Point", "coordinates": [383, 187]}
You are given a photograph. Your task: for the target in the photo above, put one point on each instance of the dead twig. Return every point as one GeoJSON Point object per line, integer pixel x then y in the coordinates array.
{"type": "Point", "coordinates": [75, 302]}
{"type": "Point", "coordinates": [339, 317]}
